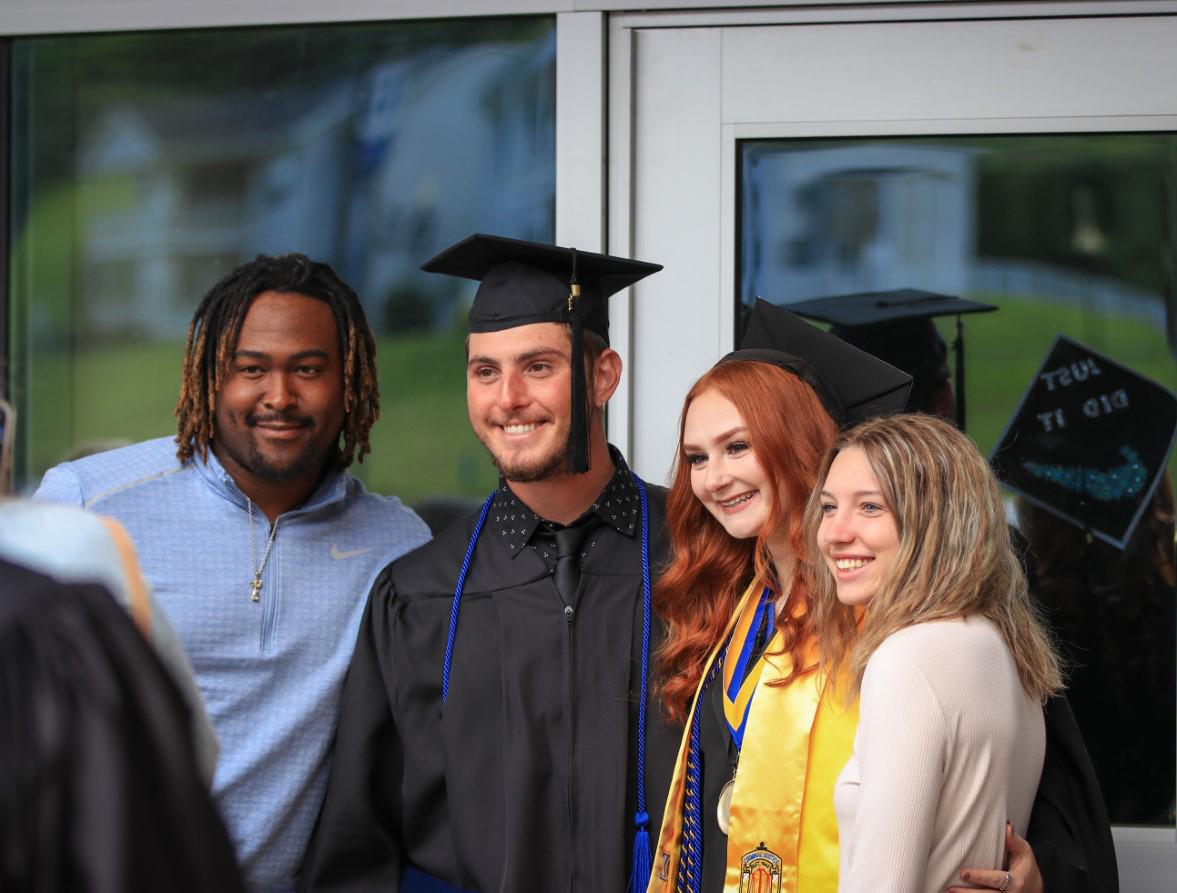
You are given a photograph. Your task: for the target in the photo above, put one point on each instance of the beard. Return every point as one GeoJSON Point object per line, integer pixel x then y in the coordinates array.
{"type": "Point", "coordinates": [309, 459]}
{"type": "Point", "coordinates": [544, 467]}
{"type": "Point", "coordinates": [245, 453]}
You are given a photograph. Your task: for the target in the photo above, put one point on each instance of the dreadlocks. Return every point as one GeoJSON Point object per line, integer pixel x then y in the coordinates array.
{"type": "Point", "coordinates": [216, 326]}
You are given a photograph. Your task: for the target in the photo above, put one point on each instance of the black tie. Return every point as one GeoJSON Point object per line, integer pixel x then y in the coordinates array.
{"type": "Point", "coordinates": [567, 577]}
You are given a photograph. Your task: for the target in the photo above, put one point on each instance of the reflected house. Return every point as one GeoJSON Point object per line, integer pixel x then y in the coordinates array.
{"type": "Point", "coordinates": [858, 218]}
{"type": "Point", "coordinates": [454, 161]}
{"type": "Point", "coordinates": [175, 194]}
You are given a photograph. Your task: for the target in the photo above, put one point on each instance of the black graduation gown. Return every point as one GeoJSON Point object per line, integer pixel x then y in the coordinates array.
{"type": "Point", "coordinates": [526, 778]}
{"type": "Point", "coordinates": [1069, 828]}
{"type": "Point", "coordinates": [99, 788]}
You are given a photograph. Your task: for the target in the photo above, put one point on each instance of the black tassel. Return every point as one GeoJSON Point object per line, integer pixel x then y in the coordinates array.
{"type": "Point", "coordinates": [578, 435]}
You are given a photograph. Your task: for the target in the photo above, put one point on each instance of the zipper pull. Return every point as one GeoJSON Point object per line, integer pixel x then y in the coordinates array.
{"type": "Point", "coordinates": [568, 612]}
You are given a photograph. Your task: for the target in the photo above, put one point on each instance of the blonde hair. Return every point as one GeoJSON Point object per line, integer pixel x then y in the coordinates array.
{"type": "Point", "coordinates": [955, 555]}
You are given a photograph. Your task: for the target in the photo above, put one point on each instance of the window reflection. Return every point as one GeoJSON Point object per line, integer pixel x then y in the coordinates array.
{"type": "Point", "coordinates": [1065, 234]}
{"type": "Point", "coordinates": [146, 166]}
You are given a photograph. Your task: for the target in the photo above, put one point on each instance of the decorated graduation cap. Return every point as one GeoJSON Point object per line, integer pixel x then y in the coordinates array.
{"type": "Point", "coordinates": [896, 326]}
{"type": "Point", "coordinates": [1089, 441]}
{"type": "Point", "coordinates": [852, 384]}
{"type": "Point", "coordinates": [521, 283]}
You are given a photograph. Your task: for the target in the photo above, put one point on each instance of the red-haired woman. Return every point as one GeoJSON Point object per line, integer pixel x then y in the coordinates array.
{"type": "Point", "coordinates": [753, 436]}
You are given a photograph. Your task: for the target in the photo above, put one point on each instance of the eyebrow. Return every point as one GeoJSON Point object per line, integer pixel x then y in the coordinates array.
{"type": "Point", "coordinates": [301, 355]}
{"type": "Point", "coordinates": [857, 494]}
{"type": "Point", "coordinates": [726, 435]}
{"type": "Point", "coordinates": [519, 359]}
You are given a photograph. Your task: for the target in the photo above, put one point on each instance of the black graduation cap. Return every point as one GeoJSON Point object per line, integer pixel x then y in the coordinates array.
{"type": "Point", "coordinates": [528, 282]}
{"type": "Point", "coordinates": [896, 326]}
{"type": "Point", "coordinates": [851, 383]}
{"type": "Point", "coordinates": [1089, 441]}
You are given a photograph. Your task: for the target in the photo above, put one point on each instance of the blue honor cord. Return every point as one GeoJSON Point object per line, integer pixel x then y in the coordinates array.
{"type": "Point", "coordinates": [457, 604]}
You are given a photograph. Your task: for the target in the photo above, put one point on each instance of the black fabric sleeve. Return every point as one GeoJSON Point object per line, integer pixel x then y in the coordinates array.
{"type": "Point", "coordinates": [101, 788]}
{"type": "Point", "coordinates": [1069, 828]}
{"type": "Point", "coordinates": [356, 847]}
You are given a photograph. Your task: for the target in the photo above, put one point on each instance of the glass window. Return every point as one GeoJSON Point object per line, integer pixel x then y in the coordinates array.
{"type": "Point", "coordinates": [145, 166]}
{"type": "Point", "coordinates": [1068, 234]}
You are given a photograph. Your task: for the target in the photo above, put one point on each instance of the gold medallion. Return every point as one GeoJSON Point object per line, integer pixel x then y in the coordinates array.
{"type": "Point", "coordinates": [723, 812]}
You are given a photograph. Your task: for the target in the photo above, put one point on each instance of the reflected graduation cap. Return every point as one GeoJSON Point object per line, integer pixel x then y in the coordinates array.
{"type": "Point", "coordinates": [852, 384]}
{"type": "Point", "coordinates": [521, 283]}
{"type": "Point", "coordinates": [896, 326]}
{"type": "Point", "coordinates": [1089, 441]}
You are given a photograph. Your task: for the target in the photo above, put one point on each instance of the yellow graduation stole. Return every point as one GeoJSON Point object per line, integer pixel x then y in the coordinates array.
{"type": "Point", "coordinates": [784, 834]}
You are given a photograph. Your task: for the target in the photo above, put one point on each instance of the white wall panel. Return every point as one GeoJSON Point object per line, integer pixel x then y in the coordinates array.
{"type": "Point", "coordinates": [677, 206]}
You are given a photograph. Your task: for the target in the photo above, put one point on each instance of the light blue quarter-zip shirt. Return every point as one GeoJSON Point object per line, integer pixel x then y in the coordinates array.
{"type": "Point", "coordinates": [271, 671]}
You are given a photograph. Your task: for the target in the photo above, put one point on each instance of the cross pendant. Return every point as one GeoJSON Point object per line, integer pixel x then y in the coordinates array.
{"type": "Point", "coordinates": [255, 589]}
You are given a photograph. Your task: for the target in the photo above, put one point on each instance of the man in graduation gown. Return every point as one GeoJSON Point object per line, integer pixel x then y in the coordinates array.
{"type": "Point", "coordinates": [489, 734]}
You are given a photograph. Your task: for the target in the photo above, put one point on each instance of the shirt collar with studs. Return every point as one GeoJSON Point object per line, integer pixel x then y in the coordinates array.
{"type": "Point", "coordinates": [518, 528]}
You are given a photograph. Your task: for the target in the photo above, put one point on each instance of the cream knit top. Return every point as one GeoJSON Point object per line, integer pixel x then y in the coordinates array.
{"type": "Point", "coordinates": [949, 746]}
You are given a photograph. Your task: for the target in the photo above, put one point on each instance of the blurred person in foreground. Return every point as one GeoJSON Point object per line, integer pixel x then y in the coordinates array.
{"type": "Point", "coordinates": [99, 786]}
{"type": "Point", "coordinates": [72, 545]}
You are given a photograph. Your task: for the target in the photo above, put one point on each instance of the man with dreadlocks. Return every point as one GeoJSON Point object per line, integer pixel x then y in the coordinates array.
{"type": "Point", "coordinates": [258, 544]}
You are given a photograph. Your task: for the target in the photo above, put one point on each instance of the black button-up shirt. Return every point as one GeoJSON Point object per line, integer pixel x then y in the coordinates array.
{"type": "Point", "coordinates": [517, 527]}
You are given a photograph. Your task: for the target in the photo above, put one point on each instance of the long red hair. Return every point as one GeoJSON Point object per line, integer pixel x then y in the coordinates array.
{"type": "Point", "coordinates": [789, 430]}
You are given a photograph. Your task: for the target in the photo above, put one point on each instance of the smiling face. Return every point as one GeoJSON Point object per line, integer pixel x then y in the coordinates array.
{"type": "Point", "coordinates": [726, 476]}
{"type": "Point", "coordinates": [857, 535]}
{"type": "Point", "coordinates": [519, 395]}
{"type": "Point", "coordinates": [280, 407]}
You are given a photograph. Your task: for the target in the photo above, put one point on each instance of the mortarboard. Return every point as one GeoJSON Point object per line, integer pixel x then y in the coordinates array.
{"type": "Point", "coordinates": [852, 384]}
{"type": "Point", "coordinates": [1089, 441]}
{"type": "Point", "coordinates": [521, 283]}
{"type": "Point", "coordinates": [896, 326]}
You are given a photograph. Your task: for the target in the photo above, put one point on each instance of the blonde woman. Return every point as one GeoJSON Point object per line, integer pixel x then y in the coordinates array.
{"type": "Point", "coordinates": [922, 607]}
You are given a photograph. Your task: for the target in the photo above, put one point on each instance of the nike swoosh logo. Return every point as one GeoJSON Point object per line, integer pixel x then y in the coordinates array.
{"type": "Point", "coordinates": [339, 554]}
{"type": "Point", "coordinates": [1110, 485]}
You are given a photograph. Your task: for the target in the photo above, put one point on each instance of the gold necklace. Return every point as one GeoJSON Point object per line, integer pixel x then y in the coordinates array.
{"type": "Point", "coordinates": [255, 587]}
